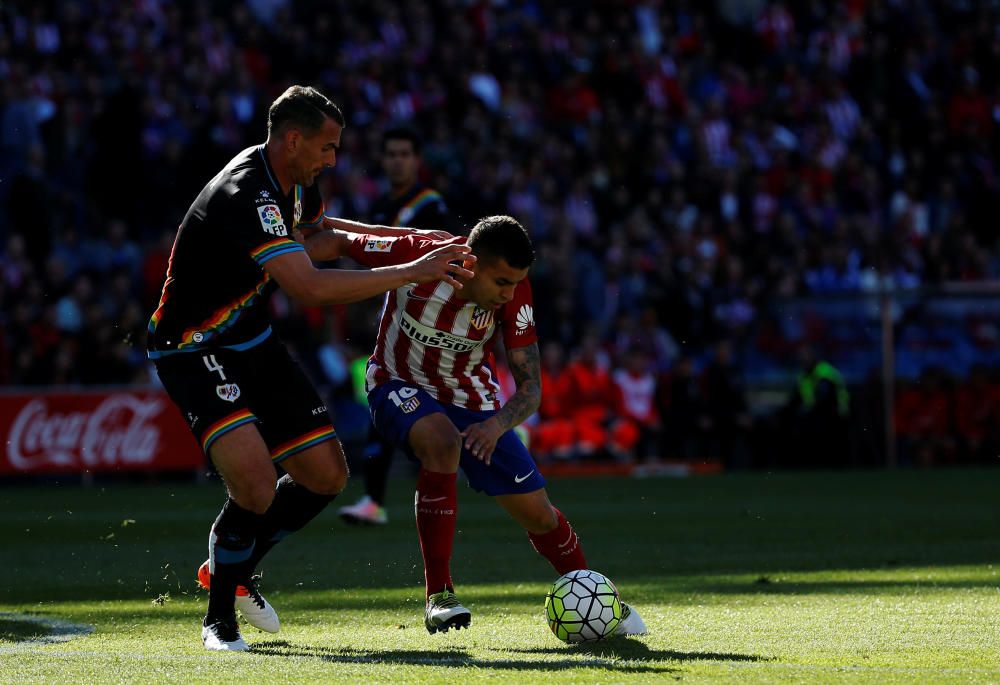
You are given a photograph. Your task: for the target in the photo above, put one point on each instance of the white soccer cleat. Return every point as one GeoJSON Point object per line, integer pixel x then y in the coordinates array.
{"type": "Point", "coordinates": [256, 610]}
{"type": "Point", "coordinates": [631, 623]}
{"type": "Point", "coordinates": [444, 612]}
{"type": "Point", "coordinates": [365, 511]}
{"type": "Point", "coordinates": [223, 635]}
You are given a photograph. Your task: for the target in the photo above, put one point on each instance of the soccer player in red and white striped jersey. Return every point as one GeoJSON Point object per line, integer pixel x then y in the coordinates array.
{"type": "Point", "coordinates": [439, 340]}
{"type": "Point", "coordinates": [432, 390]}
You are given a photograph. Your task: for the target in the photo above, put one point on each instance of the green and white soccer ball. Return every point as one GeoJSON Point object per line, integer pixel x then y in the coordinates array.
{"type": "Point", "coordinates": [583, 606]}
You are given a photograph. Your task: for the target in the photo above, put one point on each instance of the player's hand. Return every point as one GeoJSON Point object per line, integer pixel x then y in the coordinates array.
{"type": "Point", "coordinates": [436, 235]}
{"type": "Point", "coordinates": [481, 439]}
{"type": "Point", "coordinates": [447, 263]}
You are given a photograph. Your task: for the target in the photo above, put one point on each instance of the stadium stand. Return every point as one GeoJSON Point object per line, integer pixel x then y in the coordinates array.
{"type": "Point", "coordinates": [693, 173]}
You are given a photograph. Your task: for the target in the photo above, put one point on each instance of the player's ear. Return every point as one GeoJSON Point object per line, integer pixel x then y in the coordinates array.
{"type": "Point", "coordinates": [292, 139]}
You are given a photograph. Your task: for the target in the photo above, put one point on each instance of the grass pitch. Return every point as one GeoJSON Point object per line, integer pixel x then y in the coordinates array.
{"type": "Point", "coordinates": [868, 577]}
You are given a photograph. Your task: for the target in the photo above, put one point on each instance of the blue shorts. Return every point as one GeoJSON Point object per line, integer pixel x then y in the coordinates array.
{"type": "Point", "coordinates": [397, 405]}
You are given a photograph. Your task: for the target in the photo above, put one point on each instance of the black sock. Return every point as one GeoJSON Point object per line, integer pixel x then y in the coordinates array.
{"type": "Point", "coordinates": [377, 471]}
{"type": "Point", "coordinates": [230, 547]}
{"type": "Point", "coordinates": [293, 507]}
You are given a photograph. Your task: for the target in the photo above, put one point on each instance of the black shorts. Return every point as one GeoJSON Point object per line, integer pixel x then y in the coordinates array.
{"type": "Point", "coordinates": [218, 390]}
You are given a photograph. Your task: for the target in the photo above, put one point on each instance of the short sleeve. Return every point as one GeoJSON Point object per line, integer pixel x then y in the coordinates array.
{"type": "Point", "coordinates": [375, 251]}
{"type": "Point", "coordinates": [313, 207]}
{"type": "Point", "coordinates": [258, 227]}
{"type": "Point", "coordinates": [518, 318]}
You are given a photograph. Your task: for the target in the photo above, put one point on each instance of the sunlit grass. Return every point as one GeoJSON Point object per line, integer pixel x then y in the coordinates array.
{"type": "Point", "coordinates": [864, 577]}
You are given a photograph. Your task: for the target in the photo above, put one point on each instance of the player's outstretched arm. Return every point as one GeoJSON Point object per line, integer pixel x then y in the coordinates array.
{"type": "Point", "coordinates": [297, 276]}
{"type": "Point", "coordinates": [324, 246]}
{"type": "Point", "coordinates": [336, 223]}
{"type": "Point", "coordinates": [481, 438]}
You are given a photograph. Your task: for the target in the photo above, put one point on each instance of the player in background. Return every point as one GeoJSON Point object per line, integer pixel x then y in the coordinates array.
{"type": "Point", "coordinates": [432, 390]}
{"type": "Point", "coordinates": [246, 400]}
{"type": "Point", "coordinates": [408, 203]}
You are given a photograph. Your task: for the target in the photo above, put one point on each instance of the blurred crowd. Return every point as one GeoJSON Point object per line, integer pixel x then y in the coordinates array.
{"type": "Point", "coordinates": [679, 165]}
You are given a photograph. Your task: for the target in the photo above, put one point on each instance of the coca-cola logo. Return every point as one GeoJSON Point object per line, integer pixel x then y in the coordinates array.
{"type": "Point", "coordinates": [119, 430]}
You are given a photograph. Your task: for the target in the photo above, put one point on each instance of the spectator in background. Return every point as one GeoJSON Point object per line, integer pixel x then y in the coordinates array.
{"type": "Point", "coordinates": [816, 414]}
{"type": "Point", "coordinates": [600, 426]}
{"type": "Point", "coordinates": [977, 414]}
{"type": "Point", "coordinates": [680, 404]}
{"type": "Point", "coordinates": [408, 203]}
{"type": "Point", "coordinates": [636, 383]}
{"type": "Point", "coordinates": [554, 437]}
{"type": "Point", "coordinates": [729, 420]}
{"type": "Point", "coordinates": [924, 420]}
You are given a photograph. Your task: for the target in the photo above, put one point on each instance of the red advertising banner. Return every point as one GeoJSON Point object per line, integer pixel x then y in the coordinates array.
{"type": "Point", "coordinates": [73, 432]}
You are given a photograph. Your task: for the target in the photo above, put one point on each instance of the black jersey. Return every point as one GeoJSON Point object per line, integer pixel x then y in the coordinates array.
{"type": "Point", "coordinates": [421, 207]}
{"type": "Point", "coordinates": [216, 290]}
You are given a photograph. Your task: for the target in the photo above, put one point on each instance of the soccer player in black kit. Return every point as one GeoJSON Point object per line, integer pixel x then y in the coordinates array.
{"type": "Point", "coordinates": [245, 399]}
{"type": "Point", "coordinates": [408, 203]}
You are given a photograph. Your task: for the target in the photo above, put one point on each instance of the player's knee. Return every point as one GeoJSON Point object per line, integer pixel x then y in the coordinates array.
{"type": "Point", "coordinates": [330, 483]}
{"type": "Point", "coordinates": [256, 498]}
{"type": "Point", "coordinates": [441, 454]}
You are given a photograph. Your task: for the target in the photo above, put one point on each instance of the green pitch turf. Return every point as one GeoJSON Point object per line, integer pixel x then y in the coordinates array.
{"type": "Point", "coordinates": [867, 577]}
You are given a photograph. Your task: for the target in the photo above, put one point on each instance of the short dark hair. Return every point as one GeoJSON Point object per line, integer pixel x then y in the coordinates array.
{"type": "Point", "coordinates": [502, 236]}
{"type": "Point", "coordinates": [402, 133]}
{"type": "Point", "coordinates": [303, 107]}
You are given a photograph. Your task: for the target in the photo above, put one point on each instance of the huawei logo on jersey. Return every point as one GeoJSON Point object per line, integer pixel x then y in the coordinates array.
{"type": "Point", "coordinates": [525, 318]}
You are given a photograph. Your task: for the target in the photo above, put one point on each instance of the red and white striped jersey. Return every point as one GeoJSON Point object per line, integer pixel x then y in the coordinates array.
{"type": "Point", "coordinates": [436, 340]}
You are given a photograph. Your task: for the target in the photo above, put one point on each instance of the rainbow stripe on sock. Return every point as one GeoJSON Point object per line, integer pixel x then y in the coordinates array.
{"type": "Point", "coordinates": [303, 442]}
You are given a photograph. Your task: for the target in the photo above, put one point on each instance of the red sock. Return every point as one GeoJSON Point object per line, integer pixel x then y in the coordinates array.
{"type": "Point", "coordinates": [560, 546]}
{"type": "Point", "coordinates": [436, 506]}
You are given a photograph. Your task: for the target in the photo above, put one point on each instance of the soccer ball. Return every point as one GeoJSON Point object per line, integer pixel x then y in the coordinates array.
{"type": "Point", "coordinates": [583, 606]}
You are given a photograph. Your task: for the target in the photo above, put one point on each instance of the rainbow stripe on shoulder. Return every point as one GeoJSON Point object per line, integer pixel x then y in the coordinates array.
{"type": "Point", "coordinates": [417, 202]}
{"type": "Point", "coordinates": [274, 248]}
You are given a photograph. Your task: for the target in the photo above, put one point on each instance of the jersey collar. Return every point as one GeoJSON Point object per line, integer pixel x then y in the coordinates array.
{"type": "Point", "coordinates": [270, 174]}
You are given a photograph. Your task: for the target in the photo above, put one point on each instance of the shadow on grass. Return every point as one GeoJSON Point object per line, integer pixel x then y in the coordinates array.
{"type": "Point", "coordinates": [627, 648]}
{"type": "Point", "coordinates": [460, 658]}
{"type": "Point", "coordinates": [775, 585]}
{"type": "Point", "coordinates": [17, 630]}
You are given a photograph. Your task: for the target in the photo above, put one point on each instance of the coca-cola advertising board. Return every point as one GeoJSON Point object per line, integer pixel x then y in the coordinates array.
{"type": "Point", "coordinates": [73, 432]}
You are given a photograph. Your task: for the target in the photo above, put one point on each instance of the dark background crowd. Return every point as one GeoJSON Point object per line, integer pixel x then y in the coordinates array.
{"type": "Point", "coordinates": [684, 169]}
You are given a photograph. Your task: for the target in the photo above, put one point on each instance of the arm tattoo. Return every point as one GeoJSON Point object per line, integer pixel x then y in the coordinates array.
{"type": "Point", "coordinates": [526, 369]}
